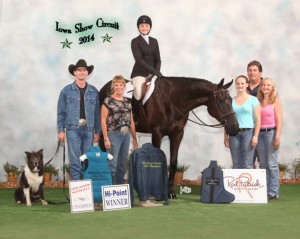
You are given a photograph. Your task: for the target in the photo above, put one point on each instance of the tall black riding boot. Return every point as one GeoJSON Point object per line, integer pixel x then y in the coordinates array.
{"type": "Point", "coordinates": [135, 109]}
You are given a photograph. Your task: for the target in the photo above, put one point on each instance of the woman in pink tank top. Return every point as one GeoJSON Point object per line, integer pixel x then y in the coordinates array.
{"type": "Point", "coordinates": [269, 136]}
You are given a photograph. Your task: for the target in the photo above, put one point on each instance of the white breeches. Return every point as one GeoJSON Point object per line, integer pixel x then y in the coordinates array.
{"type": "Point", "coordinates": [138, 83]}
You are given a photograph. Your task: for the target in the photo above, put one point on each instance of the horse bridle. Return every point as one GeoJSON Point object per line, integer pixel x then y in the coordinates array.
{"type": "Point", "coordinates": [222, 116]}
{"type": "Point", "coordinates": [214, 99]}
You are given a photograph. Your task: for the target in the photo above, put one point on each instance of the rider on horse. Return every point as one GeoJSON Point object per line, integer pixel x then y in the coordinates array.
{"type": "Point", "coordinates": [146, 54]}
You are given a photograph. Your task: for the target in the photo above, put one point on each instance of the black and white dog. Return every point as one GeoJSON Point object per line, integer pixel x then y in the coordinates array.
{"type": "Point", "coordinates": [30, 188]}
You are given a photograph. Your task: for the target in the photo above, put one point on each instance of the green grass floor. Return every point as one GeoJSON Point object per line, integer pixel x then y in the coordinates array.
{"type": "Point", "coordinates": [185, 217]}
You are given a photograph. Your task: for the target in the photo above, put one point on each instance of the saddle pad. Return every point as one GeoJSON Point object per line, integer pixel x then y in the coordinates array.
{"type": "Point", "coordinates": [128, 90]}
{"type": "Point", "coordinates": [150, 90]}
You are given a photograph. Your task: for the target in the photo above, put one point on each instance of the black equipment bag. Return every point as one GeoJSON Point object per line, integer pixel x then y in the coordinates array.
{"type": "Point", "coordinates": [212, 185]}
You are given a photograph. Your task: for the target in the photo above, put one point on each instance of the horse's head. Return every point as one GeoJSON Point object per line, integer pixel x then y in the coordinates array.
{"type": "Point", "coordinates": [220, 107]}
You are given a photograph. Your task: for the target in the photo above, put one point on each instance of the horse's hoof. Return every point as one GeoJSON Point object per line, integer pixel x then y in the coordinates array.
{"type": "Point", "coordinates": [172, 196]}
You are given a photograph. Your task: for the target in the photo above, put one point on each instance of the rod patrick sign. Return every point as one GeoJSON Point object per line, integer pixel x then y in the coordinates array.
{"type": "Point", "coordinates": [116, 197]}
{"type": "Point", "coordinates": [247, 185]}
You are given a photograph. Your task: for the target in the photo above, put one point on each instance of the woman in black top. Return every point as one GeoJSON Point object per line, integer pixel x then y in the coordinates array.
{"type": "Point", "coordinates": [146, 54]}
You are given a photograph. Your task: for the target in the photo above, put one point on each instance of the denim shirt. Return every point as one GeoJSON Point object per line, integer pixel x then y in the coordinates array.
{"type": "Point", "coordinates": [68, 108]}
{"type": "Point", "coordinates": [148, 173]}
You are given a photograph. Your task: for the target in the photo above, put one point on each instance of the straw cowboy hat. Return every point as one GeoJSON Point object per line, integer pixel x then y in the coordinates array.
{"type": "Point", "coordinates": [80, 63]}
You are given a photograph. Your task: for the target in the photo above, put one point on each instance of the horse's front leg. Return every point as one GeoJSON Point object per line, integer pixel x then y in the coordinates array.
{"type": "Point", "coordinates": [175, 140]}
{"type": "Point", "coordinates": [156, 138]}
{"type": "Point", "coordinates": [172, 171]}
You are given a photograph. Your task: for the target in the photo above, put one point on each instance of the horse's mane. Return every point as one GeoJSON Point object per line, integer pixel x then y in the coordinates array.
{"type": "Point", "coordinates": [187, 79]}
{"type": "Point", "coordinates": [191, 80]}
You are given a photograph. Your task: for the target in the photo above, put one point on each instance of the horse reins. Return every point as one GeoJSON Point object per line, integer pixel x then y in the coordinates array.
{"type": "Point", "coordinates": [220, 125]}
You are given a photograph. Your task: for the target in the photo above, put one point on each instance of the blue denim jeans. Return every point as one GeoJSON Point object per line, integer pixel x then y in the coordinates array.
{"type": "Point", "coordinates": [241, 150]}
{"type": "Point", "coordinates": [79, 142]}
{"type": "Point", "coordinates": [269, 161]}
{"type": "Point", "coordinates": [119, 150]}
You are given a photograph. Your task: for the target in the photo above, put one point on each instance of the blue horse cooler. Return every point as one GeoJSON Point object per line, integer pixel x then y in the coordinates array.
{"type": "Point", "coordinates": [95, 167]}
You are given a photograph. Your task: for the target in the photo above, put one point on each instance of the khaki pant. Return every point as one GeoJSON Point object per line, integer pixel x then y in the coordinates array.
{"type": "Point", "coordinates": [138, 83]}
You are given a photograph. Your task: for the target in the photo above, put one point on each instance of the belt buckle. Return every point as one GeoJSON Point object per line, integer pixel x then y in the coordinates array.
{"type": "Point", "coordinates": [244, 129]}
{"type": "Point", "coordinates": [267, 129]}
{"type": "Point", "coordinates": [124, 129]}
{"type": "Point", "coordinates": [82, 122]}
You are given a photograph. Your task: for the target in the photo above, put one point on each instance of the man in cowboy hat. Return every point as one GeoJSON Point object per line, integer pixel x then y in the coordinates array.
{"type": "Point", "coordinates": [78, 115]}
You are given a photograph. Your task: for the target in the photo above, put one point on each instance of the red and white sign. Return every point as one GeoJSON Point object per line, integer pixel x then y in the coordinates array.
{"type": "Point", "coordinates": [81, 196]}
{"type": "Point", "coordinates": [247, 185]}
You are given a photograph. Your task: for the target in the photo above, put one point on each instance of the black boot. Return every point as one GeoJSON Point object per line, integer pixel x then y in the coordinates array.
{"type": "Point", "coordinates": [135, 109]}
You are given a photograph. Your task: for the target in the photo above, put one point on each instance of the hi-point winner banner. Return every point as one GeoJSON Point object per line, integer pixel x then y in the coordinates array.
{"type": "Point", "coordinates": [247, 185]}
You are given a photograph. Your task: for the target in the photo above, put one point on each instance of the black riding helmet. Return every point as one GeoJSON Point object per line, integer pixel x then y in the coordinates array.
{"type": "Point", "coordinates": [144, 19]}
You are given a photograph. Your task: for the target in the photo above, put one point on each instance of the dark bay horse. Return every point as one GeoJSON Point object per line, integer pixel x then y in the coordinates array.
{"type": "Point", "coordinates": [166, 111]}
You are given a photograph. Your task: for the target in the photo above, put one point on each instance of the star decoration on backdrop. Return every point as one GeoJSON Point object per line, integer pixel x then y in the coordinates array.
{"type": "Point", "coordinates": [106, 38]}
{"type": "Point", "coordinates": [66, 43]}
